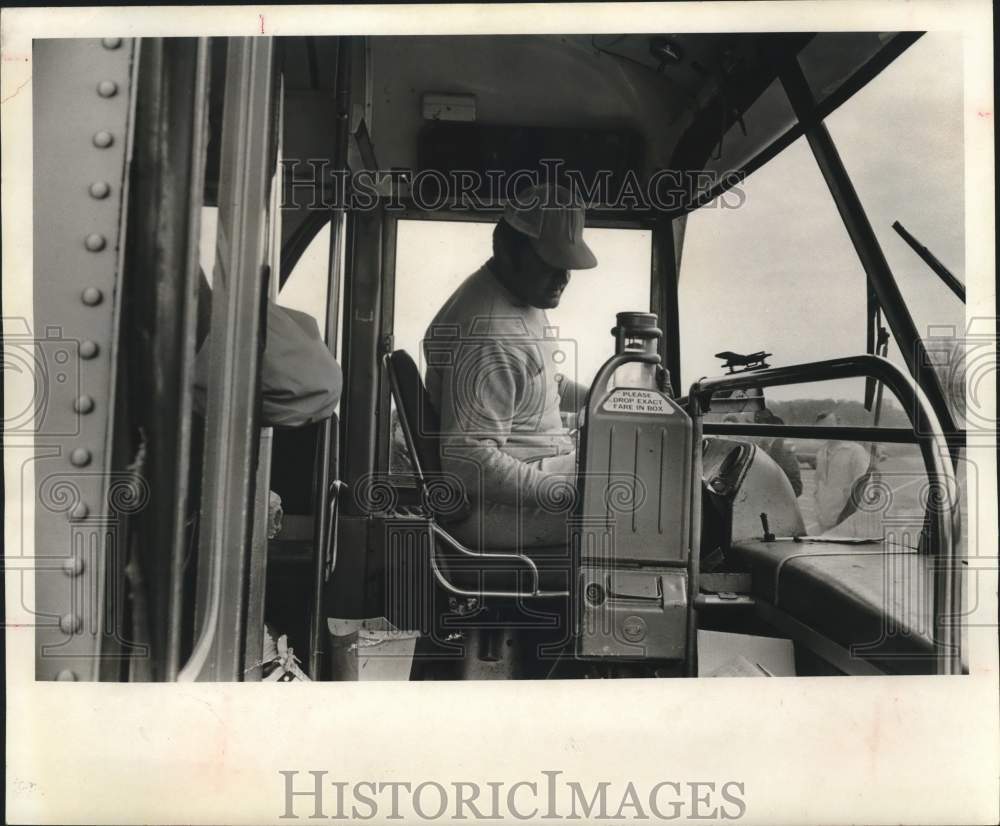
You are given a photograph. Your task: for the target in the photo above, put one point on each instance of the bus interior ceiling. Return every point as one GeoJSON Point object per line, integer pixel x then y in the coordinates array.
{"type": "Point", "coordinates": [631, 104]}
{"type": "Point", "coordinates": [605, 82]}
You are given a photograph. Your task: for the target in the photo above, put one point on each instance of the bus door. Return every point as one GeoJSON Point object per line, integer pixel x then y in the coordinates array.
{"type": "Point", "coordinates": [233, 511]}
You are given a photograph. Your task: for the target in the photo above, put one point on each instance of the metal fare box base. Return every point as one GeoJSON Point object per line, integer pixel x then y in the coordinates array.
{"type": "Point", "coordinates": [632, 614]}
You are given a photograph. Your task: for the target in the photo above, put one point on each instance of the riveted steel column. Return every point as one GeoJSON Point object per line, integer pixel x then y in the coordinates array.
{"type": "Point", "coordinates": [82, 123]}
{"type": "Point", "coordinates": [239, 293]}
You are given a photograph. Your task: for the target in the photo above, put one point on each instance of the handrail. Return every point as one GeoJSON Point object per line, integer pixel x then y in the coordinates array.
{"type": "Point", "coordinates": [324, 562]}
{"type": "Point", "coordinates": [889, 435]}
{"type": "Point", "coordinates": [536, 591]}
{"type": "Point", "coordinates": [937, 462]}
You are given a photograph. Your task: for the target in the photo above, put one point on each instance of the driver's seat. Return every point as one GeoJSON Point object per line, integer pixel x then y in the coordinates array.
{"type": "Point", "coordinates": [458, 569]}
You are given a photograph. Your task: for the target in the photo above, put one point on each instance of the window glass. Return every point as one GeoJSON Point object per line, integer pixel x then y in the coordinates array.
{"type": "Point", "coordinates": [777, 273]}
{"type": "Point", "coordinates": [901, 140]}
{"type": "Point", "coordinates": [206, 248]}
{"type": "Point", "coordinates": [764, 121]}
{"type": "Point", "coordinates": [887, 481]}
{"type": "Point", "coordinates": [434, 257]}
{"type": "Point", "coordinates": [862, 489]}
{"type": "Point", "coordinates": [306, 286]}
{"type": "Point", "coordinates": [831, 58]}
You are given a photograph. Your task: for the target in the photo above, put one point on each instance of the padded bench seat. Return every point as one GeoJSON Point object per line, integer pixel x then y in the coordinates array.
{"type": "Point", "coordinates": [874, 601]}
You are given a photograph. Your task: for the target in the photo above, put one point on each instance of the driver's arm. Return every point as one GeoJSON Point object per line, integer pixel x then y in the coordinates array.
{"type": "Point", "coordinates": [476, 419]}
{"type": "Point", "coordinates": [572, 395]}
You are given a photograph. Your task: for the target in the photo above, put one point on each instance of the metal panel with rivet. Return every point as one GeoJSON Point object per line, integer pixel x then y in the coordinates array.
{"type": "Point", "coordinates": [82, 123]}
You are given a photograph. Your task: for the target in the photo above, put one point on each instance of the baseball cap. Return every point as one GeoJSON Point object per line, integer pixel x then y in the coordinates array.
{"type": "Point", "coordinates": [553, 219]}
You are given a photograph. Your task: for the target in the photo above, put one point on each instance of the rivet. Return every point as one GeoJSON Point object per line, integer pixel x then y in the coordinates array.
{"type": "Point", "coordinates": [80, 511]}
{"type": "Point", "coordinates": [80, 457]}
{"type": "Point", "coordinates": [73, 566]}
{"type": "Point", "coordinates": [111, 42]}
{"type": "Point", "coordinates": [100, 189]}
{"type": "Point", "coordinates": [70, 623]}
{"type": "Point", "coordinates": [84, 404]}
{"type": "Point", "coordinates": [103, 139]}
{"type": "Point", "coordinates": [107, 88]}
{"type": "Point", "coordinates": [66, 676]}
{"type": "Point", "coordinates": [89, 349]}
{"type": "Point", "coordinates": [94, 242]}
{"type": "Point", "coordinates": [92, 296]}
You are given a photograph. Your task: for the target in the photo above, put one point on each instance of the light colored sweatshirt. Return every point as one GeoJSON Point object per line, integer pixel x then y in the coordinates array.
{"type": "Point", "coordinates": [491, 373]}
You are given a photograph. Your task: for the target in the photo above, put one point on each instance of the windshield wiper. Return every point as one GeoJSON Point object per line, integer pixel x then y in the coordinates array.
{"type": "Point", "coordinates": [928, 258]}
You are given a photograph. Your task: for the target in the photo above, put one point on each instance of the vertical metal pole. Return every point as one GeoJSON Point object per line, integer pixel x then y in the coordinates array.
{"type": "Point", "coordinates": [664, 299]}
{"type": "Point", "coordinates": [694, 561]}
{"type": "Point", "coordinates": [328, 429]}
{"type": "Point", "coordinates": [385, 339]}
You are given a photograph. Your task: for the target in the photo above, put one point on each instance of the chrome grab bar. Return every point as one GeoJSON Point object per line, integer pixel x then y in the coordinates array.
{"type": "Point", "coordinates": [436, 531]}
{"type": "Point", "coordinates": [330, 551]}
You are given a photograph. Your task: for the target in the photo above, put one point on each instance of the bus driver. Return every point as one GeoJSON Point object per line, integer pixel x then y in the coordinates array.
{"type": "Point", "coordinates": [491, 374]}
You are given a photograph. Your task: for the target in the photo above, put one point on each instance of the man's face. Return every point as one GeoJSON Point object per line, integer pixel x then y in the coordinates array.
{"type": "Point", "coordinates": [535, 282]}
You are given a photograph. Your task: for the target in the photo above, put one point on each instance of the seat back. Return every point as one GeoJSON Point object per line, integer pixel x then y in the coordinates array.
{"type": "Point", "coordinates": [486, 573]}
{"type": "Point", "coordinates": [417, 417]}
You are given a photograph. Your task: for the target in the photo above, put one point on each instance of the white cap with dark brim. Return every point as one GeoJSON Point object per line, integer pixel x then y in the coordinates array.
{"type": "Point", "coordinates": [553, 220]}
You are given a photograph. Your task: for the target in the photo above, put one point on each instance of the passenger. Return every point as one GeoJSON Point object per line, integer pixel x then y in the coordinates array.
{"type": "Point", "coordinates": [777, 450]}
{"type": "Point", "coordinates": [839, 464]}
{"type": "Point", "coordinates": [492, 375]}
{"type": "Point", "coordinates": [301, 381]}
